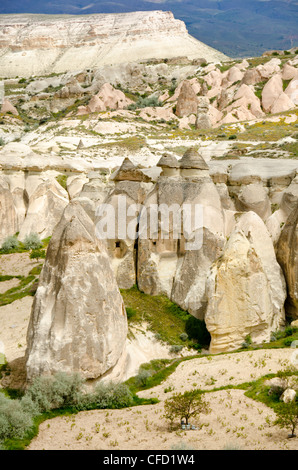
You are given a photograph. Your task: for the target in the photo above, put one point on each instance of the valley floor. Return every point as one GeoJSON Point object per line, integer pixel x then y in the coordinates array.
{"type": "Point", "coordinates": [235, 422]}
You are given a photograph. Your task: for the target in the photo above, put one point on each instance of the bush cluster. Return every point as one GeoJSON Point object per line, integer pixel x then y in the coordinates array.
{"type": "Point", "coordinates": [10, 243]}
{"type": "Point", "coordinates": [150, 102]}
{"type": "Point", "coordinates": [52, 392]}
{"type": "Point", "coordinates": [32, 242]}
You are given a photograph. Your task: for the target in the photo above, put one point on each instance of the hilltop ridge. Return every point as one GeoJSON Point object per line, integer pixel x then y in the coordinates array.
{"type": "Point", "coordinates": [41, 44]}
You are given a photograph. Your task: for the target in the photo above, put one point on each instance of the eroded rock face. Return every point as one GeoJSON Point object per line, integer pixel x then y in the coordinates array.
{"type": "Point", "coordinates": [8, 213]}
{"type": "Point", "coordinates": [287, 255]}
{"type": "Point", "coordinates": [78, 321]}
{"type": "Point", "coordinates": [187, 100]}
{"type": "Point", "coordinates": [46, 204]}
{"type": "Point", "coordinates": [245, 288]}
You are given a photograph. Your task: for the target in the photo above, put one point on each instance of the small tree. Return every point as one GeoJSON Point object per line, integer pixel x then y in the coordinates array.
{"type": "Point", "coordinates": [287, 416]}
{"type": "Point", "coordinates": [37, 254]}
{"type": "Point", "coordinates": [185, 405]}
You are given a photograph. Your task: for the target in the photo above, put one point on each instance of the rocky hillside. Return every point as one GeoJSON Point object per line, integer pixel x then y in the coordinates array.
{"type": "Point", "coordinates": [170, 130]}
{"type": "Point", "coordinates": [40, 44]}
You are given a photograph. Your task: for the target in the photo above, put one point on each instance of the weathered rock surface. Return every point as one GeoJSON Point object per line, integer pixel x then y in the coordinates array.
{"type": "Point", "coordinates": [245, 288]}
{"type": "Point", "coordinates": [45, 206]}
{"type": "Point", "coordinates": [187, 102]}
{"type": "Point", "coordinates": [107, 98]}
{"type": "Point", "coordinates": [8, 213]}
{"type": "Point", "coordinates": [287, 255]}
{"type": "Point", "coordinates": [78, 321]}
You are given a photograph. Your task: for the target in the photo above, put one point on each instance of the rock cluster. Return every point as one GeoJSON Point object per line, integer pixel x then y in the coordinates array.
{"type": "Point", "coordinates": [235, 249]}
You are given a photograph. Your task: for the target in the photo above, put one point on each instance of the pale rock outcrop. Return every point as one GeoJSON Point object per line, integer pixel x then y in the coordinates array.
{"type": "Point", "coordinates": [151, 113]}
{"type": "Point", "coordinates": [271, 92]}
{"type": "Point", "coordinates": [78, 321]}
{"type": "Point", "coordinates": [45, 206]}
{"type": "Point", "coordinates": [286, 202]}
{"type": "Point", "coordinates": [274, 99]}
{"type": "Point", "coordinates": [214, 78]}
{"type": "Point", "coordinates": [121, 208]}
{"type": "Point", "coordinates": [174, 260]}
{"type": "Point", "coordinates": [251, 77]}
{"type": "Point", "coordinates": [254, 197]}
{"type": "Point", "coordinates": [75, 185]}
{"type": "Point", "coordinates": [203, 120]}
{"type": "Point", "coordinates": [7, 107]}
{"type": "Point", "coordinates": [94, 192]}
{"type": "Point", "coordinates": [8, 213]}
{"type": "Point", "coordinates": [288, 395]}
{"type": "Point", "coordinates": [107, 98]}
{"type": "Point", "coordinates": [283, 103]}
{"type": "Point", "coordinates": [269, 68]}
{"type": "Point", "coordinates": [187, 100]}
{"type": "Point", "coordinates": [292, 90]}
{"type": "Point", "coordinates": [287, 256]}
{"type": "Point", "coordinates": [225, 97]}
{"type": "Point", "coordinates": [234, 75]}
{"type": "Point", "coordinates": [289, 72]}
{"type": "Point", "coordinates": [245, 96]}
{"type": "Point", "coordinates": [245, 288]}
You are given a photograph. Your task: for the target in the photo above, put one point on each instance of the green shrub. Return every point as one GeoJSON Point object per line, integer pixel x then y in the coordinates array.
{"type": "Point", "coordinates": [289, 331]}
{"type": "Point", "coordinates": [175, 348]}
{"type": "Point", "coordinates": [32, 242]}
{"type": "Point", "coordinates": [184, 336]}
{"type": "Point", "coordinates": [10, 244]}
{"type": "Point", "coordinates": [62, 180]}
{"type": "Point", "coordinates": [151, 101]}
{"type": "Point", "coordinates": [287, 341]}
{"type": "Point", "coordinates": [14, 420]}
{"type": "Point", "coordinates": [111, 395]}
{"type": "Point", "coordinates": [60, 390]}
{"type": "Point", "coordinates": [2, 142]}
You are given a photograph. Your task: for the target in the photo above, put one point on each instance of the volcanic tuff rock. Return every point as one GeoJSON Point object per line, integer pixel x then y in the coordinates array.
{"type": "Point", "coordinates": [40, 44]}
{"type": "Point", "coordinates": [78, 321]}
{"type": "Point", "coordinates": [245, 288]}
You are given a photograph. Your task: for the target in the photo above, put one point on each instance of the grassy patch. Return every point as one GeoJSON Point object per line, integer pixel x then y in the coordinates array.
{"type": "Point", "coordinates": [24, 288]}
{"type": "Point", "coordinates": [62, 180]}
{"type": "Point", "coordinates": [166, 319]}
{"type": "Point", "coordinates": [133, 143]}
